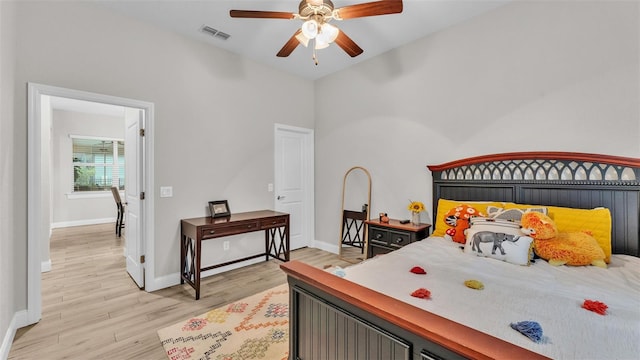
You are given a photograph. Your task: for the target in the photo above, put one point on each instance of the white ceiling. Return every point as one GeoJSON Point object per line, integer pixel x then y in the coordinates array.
{"type": "Point", "coordinates": [261, 39]}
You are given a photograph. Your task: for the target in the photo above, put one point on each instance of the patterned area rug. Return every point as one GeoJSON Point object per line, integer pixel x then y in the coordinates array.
{"type": "Point", "coordinates": [256, 327]}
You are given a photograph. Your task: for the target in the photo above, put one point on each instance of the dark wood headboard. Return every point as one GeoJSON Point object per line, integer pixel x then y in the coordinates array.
{"type": "Point", "coordinates": [567, 179]}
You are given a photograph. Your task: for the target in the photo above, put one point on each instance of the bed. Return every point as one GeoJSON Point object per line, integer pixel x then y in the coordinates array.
{"type": "Point", "coordinates": [370, 313]}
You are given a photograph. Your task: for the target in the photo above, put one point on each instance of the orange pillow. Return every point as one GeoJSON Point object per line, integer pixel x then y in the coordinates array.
{"type": "Point", "coordinates": [445, 205]}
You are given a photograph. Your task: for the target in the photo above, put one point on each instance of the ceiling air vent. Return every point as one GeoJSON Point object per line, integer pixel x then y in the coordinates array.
{"type": "Point", "coordinates": [214, 32]}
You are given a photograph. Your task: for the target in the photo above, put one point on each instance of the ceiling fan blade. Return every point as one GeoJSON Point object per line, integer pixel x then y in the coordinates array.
{"type": "Point", "coordinates": [348, 45]}
{"type": "Point", "coordinates": [374, 8]}
{"type": "Point", "coordinates": [291, 45]}
{"type": "Point", "coordinates": [257, 14]}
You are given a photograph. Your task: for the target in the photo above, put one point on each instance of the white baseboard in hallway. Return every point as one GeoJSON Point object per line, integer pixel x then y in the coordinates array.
{"type": "Point", "coordinates": [66, 224]}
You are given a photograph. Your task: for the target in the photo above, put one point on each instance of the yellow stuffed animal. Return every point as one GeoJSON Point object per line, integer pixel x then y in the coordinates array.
{"type": "Point", "coordinates": [570, 248]}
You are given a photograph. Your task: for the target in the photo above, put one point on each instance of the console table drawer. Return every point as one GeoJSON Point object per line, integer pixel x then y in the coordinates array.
{"type": "Point", "coordinates": [378, 235]}
{"type": "Point", "coordinates": [271, 223]}
{"type": "Point", "coordinates": [208, 233]}
{"type": "Point", "coordinates": [399, 239]}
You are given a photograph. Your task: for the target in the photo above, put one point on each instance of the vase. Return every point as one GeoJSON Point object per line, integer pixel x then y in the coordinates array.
{"type": "Point", "coordinates": [415, 218]}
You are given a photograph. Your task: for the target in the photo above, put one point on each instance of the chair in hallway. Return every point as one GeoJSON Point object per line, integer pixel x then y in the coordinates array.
{"type": "Point", "coordinates": [120, 205]}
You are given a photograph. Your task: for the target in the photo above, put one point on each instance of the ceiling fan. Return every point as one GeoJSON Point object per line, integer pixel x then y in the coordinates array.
{"type": "Point", "coordinates": [316, 15]}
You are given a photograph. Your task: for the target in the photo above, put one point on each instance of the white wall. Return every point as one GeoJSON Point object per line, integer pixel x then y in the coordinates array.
{"type": "Point", "coordinates": [12, 295]}
{"type": "Point", "coordinates": [214, 111]}
{"type": "Point", "coordinates": [79, 210]}
{"type": "Point", "coordinates": [533, 75]}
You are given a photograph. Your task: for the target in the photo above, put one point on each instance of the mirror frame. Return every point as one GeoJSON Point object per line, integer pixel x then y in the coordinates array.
{"type": "Point", "coordinates": [365, 239]}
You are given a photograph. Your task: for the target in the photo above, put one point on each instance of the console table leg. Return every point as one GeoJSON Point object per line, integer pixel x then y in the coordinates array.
{"type": "Point", "coordinates": [267, 247]}
{"type": "Point", "coordinates": [287, 245]}
{"type": "Point", "coordinates": [190, 263]}
{"type": "Point", "coordinates": [280, 249]}
{"type": "Point", "coordinates": [197, 268]}
{"type": "Point", "coordinates": [183, 254]}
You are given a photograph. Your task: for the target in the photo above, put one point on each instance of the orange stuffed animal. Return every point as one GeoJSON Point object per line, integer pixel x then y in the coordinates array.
{"type": "Point", "coordinates": [560, 248]}
{"type": "Point", "coordinates": [459, 217]}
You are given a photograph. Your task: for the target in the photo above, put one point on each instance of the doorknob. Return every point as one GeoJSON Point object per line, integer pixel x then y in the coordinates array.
{"type": "Point", "coordinates": [280, 197]}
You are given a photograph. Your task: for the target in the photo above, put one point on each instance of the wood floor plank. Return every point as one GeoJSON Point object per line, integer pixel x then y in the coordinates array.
{"type": "Point", "coordinates": [93, 310]}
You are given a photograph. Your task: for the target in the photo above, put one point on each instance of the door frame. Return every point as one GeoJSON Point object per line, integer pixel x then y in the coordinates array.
{"type": "Point", "coordinates": [308, 174]}
{"type": "Point", "coordinates": [35, 233]}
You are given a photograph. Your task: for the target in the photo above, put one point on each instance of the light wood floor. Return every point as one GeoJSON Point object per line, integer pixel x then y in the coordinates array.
{"type": "Point", "coordinates": [93, 310]}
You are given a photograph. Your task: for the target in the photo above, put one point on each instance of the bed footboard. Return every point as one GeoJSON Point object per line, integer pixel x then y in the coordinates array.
{"type": "Point", "coordinates": [333, 318]}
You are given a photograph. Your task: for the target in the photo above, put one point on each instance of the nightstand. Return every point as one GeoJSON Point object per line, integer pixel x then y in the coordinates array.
{"type": "Point", "coordinates": [387, 237]}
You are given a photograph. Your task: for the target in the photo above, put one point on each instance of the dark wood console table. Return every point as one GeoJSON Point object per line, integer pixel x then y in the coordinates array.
{"type": "Point", "coordinates": [193, 231]}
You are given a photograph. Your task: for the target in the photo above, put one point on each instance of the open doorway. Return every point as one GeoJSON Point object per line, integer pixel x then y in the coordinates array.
{"type": "Point", "coordinates": [139, 113]}
{"type": "Point", "coordinates": [86, 150]}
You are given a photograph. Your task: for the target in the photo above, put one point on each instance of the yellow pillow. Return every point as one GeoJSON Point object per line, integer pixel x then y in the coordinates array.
{"type": "Point", "coordinates": [597, 221]}
{"type": "Point", "coordinates": [445, 205]}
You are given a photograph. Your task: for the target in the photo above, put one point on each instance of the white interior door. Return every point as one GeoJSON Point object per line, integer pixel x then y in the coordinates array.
{"type": "Point", "coordinates": [294, 181]}
{"type": "Point", "coordinates": [134, 153]}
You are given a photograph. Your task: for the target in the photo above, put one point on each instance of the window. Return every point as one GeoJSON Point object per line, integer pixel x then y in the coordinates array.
{"type": "Point", "coordinates": [98, 163]}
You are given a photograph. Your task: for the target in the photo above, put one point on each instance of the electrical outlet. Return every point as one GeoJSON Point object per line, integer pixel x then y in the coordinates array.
{"type": "Point", "coordinates": [225, 245]}
{"type": "Point", "coordinates": [270, 187]}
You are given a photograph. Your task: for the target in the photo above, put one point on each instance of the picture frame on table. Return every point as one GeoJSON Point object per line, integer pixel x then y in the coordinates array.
{"type": "Point", "coordinates": [219, 208]}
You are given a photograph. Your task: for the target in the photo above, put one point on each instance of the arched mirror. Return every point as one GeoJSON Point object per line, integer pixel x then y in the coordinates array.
{"type": "Point", "coordinates": [356, 203]}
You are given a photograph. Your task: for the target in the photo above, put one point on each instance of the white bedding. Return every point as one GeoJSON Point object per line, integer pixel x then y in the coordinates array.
{"type": "Point", "coordinates": [551, 296]}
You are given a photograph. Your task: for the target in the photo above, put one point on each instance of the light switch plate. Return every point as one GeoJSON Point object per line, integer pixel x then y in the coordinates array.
{"type": "Point", "coordinates": [166, 191]}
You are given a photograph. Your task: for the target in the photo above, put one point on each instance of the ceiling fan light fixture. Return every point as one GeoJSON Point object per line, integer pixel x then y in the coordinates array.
{"type": "Point", "coordinates": [328, 33]}
{"type": "Point", "coordinates": [310, 28]}
{"type": "Point", "coordinates": [303, 39]}
{"type": "Point", "coordinates": [319, 44]}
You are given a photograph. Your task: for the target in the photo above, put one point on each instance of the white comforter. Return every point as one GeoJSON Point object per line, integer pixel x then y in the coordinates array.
{"type": "Point", "coordinates": [551, 296]}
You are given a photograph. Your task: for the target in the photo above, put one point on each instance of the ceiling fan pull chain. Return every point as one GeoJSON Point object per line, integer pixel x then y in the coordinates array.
{"type": "Point", "coordinates": [315, 57]}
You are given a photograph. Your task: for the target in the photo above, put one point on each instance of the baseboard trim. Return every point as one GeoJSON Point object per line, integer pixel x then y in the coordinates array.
{"type": "Point", "coordinates": [19, 320]}
{"type": "Point", "coordinates": [65, 224]}
{"type": "Point", "coordinates": [45, 266]}
{"type": "Point", "coordinates": [163, 282]}
{"type": "Point", "coordinates": [174, 279]}
{"type": "Point", "coordinates": [332, 248]}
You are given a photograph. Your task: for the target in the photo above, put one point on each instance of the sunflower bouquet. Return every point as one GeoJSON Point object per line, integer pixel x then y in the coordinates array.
{"type": "Point", "coordinates": [415, 206]}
